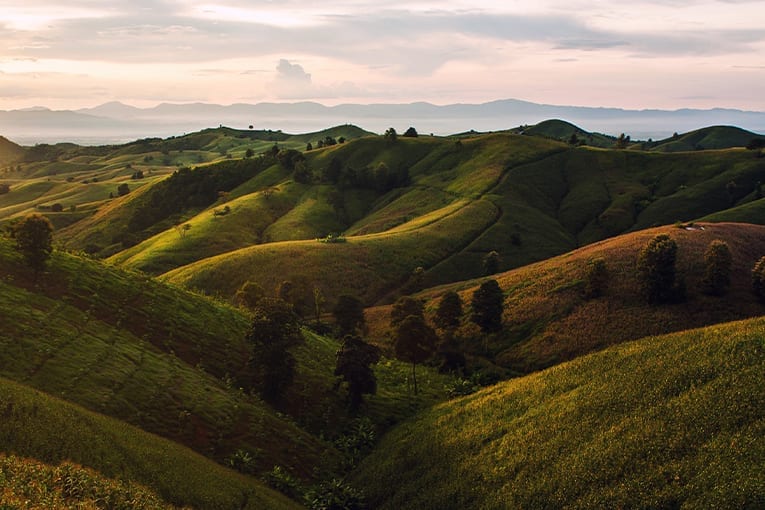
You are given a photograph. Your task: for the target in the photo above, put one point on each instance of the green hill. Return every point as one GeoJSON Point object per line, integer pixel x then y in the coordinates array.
{"type": "Point", "coordinates": [9, 152]}
{"type": "Point", "coordinates": [665, 422]}
{"type": "Point", "coordinates": [36, 425]}
{"type": "Point", "coordinates": [567, 132]}
{"type": "Point", "coordinates": [713, 137]}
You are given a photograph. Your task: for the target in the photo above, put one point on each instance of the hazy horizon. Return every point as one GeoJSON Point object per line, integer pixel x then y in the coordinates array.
{"type": "Point", "coordinates": [648, 54]}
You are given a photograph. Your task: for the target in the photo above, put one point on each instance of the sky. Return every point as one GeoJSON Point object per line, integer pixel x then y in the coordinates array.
{"type": "Point", "coordinates": [640, 54]}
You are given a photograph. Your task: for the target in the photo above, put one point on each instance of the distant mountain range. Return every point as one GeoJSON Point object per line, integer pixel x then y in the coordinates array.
{"type": "Point", "coordinates": [116, 122]}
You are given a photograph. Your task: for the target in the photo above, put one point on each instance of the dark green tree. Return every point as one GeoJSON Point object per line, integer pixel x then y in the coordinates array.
{"type": "Point", "coordinates": [717, 264]}
{"type": "Point", "coordinates": [249, 153]}
{"type": "Point", "coordinates": [491, 263]}
{"type": "Point", "coordinates": [415, 342]}
{"type": "Point", "coordinates": [354, 366]}
{"type": "Point", "coordinates": [308, 147]}
{"type": "Point", "coordinates": [487, 305]}
{"type": "Point", "coordinates": [656, 270]}
{"type": "Point", "coordinates": [349, 314]}
{"type": "Point", "coordinates": [410, 133]}
{"type": "Point", "coordinates": [758, 279]}
{"type": "Point", "coordinates": [595, 278]}
{"type": "Point", "coordinates": [275, 330]}
{"type": "Point", "coordinates": [249, 294]}
{"type": "Point", "coordinates": [449, 311]}
{"type": "Point", "coordinates": [404, 307]}
{"type": "Point", "coordinates": [123, 189]}
{"type": "Point", "coordinates": [391, 135]}
{"type": "Point", "coordinates": [34, 238]}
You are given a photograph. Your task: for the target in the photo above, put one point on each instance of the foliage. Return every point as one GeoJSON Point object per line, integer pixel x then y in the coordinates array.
{"type": "Point", "coordinates": [335, 494]}
{"type": "Point", "coordinates": [275, 330]}
{"type": "Point", "coordinates": [331, 239]}
{"type": "Point", "coordinates": [595, 278]}
{"type": "Point", "coordinates": [487, 305]}
{"type": "Point", "coordinates": [390, 135]}
{"type": "Point", "coordinates": [656, 270]}
{"type": "Point", "coordinates": [717, 266]}
{"type": "Point", "coordinates": [449, 311]}
{"type": "Point", "coordinates": [4, 188]}
{"type": "Point", "coordinates": [243, 461]}
{"type": "Point", "coordinates": [410, 133]}
{"type": "Point", "coordinates": [355, 443]}
{"type": "Point", "coordinates": [281, 480]}
{"type": "Point", "coordinates": [491, 263]}
{"type": "Point", "coordinates": [459, 387]}
{"type": "Point", "coordinates": [758, 279]}
{"type": "Point", "coordinates": [404, 307]}
{"type": "Point", "coordinates": [354, 365]}
{"type": "Point", "coordinates": [349, 314]}
{"type": "Point", "coordinates": [34, 237]}
{"type": "Point", "coordinates": [414, 341]}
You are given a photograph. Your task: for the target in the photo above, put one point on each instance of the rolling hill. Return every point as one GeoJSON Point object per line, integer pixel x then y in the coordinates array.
{"type": "Point", "coordinates": [713, 137]}
{"type": "Point", "coordinates": [547, 319]}
{"type": "Point", "coordinates": [665, 422]}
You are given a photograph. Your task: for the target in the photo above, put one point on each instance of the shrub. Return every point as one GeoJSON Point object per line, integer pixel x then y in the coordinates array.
{"type": "Point", "coordinates": [595, 278]}
{"type": "Point", "coordinates": [656, 270]}
{"type": "Point", "coordinates": [281, 480]}
{"type": "Point", "coordinates": [335, 495]}
{"type": "Point", "coordinates": [717, 263]}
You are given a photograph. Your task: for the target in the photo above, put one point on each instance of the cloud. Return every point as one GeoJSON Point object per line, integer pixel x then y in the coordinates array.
{"type": "Point", "coordinates": [293, 74]}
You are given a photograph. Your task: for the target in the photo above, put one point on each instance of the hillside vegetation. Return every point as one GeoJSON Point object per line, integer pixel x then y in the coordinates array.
{"type": "Point", "coordinates": [665, 422]}
{"type": "Point", "coordinates": [548, 320]}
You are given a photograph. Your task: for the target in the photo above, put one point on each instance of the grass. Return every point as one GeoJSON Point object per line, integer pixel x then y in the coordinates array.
{"type": "Point", "coordinates": [157, 357]}
{"type": "Point", "coordinates": [672, 421]}
{"type": "Point", "coordinates": [29, 484]}
{"type": "Point", "coordinates": [39, 426]}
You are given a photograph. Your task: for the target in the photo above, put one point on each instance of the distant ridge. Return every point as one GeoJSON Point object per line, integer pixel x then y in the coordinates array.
{"type": "Point", "coordinates": [114, 121]}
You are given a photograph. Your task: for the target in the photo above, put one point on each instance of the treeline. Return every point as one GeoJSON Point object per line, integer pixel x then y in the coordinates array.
{"type": "Point", "coordinates": [381, 177]}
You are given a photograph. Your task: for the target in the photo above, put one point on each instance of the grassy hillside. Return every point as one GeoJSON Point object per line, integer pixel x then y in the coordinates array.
{"type": "Point", "coordinates": [9, 151]}
{"type": "Point", "coordinates": [29, 484]}
{"type": "Point", "coordinates": [665, 422]}
{"type": "Point", "coordinates": [39, 426]}
{"type": "Point", "coordinates": [547, 319]}
{"type": "Point", "coordinates": [157, 357]}
{"type": "Point", "coordinates": [564, 131]}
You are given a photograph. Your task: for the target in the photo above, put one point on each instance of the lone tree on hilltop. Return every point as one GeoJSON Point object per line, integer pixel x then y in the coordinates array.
{"type": "Point", "coordinates": [404, 307]}
{"type": "Point", "coordinates": [449, 311]}
{"type": "Point", "coordinates": [758, 279]}
{"type": "Point", "coordinates": [34, 238]}
{"type": "Point", "coordinates": [656, 270]}
{"type": "Point", "coordinates": [415, 342]}
{"type": "Point", "coordinates": [275, 329]}
{"type": "Point", "coordinates": [354, 365]}
{"type": "Point", "coordinates": [717, 263]}
{"type": "Point", "coordinates": [410, 133]}
{"type": "Point", "coordinates": [349, 314]}
{"type": "Point", "coordinates": [487, 305]}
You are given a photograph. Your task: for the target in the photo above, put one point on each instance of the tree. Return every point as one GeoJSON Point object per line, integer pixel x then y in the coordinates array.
{"type": "Point", "coordinates": [390, 134]}
{"type": "Point", "coordinates": [354, 365]}
{"type": "Point", "coordinates": [308, 147]}
{"type": "Point", "coordinates": [123, 189]}
{"type": "Point", "coordinates": [487, 305]}
{"type": "Point", "coordinates": [4, 188]}
{"type": "Point", "coordinates": [410, 133]}
{"type": "Point", "coordinates": [275, 329]}
{"type": "Point", "coordinates": [249, 294]}
{"type": "Point", "coordinates": [491, 263]}
{"type": "Point", "coordinates": [318, 303]}
{"type": "Point", "coordinates": [449, 311]}
{"type": "Point", "coordinates": [348, 314]}
{"type": "Point", "coordinates": [404, 307]}
{"type": "Point", "coordinates": [595, 278]}
{"type": "Point", "coordinates": [34, 237]}
{"type": "Point", "coordinates": [656, 270]}
{"type": "Point", "coordinates": [415, 342]}
{"type": "Point", "coordinates": [249, 153]}
{"type": "Point", "coordinates": [758, 279]}
{"type": "Point", "coordinates": [717, 263]}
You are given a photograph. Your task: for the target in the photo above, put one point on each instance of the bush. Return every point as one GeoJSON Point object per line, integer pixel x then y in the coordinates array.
{"type": "Point", "coordinates": [656, 271]}
{"type": "Point", "coordinates": [595, 278]}
{"type": "Point", "coordinates": [717, 263]}
{"type": "Point", "coordinates": [281, 480]}
{"type": "Point", "coordinates": [335, 495]}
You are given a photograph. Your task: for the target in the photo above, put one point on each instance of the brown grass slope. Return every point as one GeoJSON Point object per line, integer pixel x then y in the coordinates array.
{"type": "Point", "coordinates": [547, 320]}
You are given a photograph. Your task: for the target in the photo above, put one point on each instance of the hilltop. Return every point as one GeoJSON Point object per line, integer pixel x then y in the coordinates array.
{"type": "Point", "coordinates": [671, 421]}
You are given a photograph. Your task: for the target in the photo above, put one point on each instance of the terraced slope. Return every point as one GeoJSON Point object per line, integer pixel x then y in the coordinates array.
{"type": "Point", "coordinates": [676, 421]}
